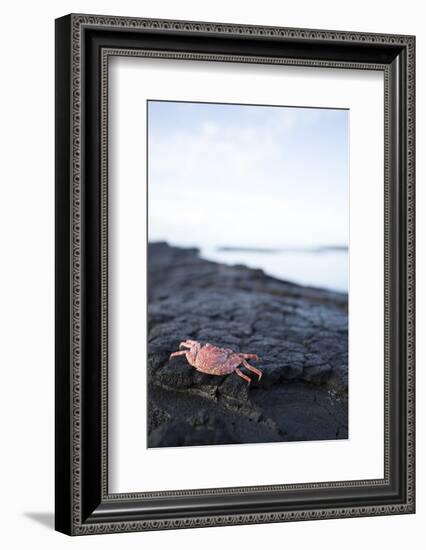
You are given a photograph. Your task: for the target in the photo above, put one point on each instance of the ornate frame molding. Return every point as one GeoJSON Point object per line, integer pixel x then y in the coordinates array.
{"type": "Point", "coordinates": [72, 47]}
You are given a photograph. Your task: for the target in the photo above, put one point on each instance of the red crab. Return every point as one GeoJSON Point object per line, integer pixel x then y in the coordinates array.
{"type": "Point", "coordinates": [218, 361]}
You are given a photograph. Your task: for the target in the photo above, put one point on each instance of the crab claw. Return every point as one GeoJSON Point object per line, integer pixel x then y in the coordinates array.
{"type": "Point", "coordinates": [184, 345]}
{"type": "Point", "coordinates": [187, 344]}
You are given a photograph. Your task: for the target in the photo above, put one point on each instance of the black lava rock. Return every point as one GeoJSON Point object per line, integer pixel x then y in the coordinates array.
{"type": "Point", "coordinates": [299, 333]}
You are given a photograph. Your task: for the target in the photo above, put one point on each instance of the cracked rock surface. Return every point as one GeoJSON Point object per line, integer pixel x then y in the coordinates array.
{"type": "Point", "coordinates": [300, 335]}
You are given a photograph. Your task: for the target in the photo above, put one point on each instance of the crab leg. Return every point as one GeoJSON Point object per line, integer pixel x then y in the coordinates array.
{"type": "Point", "coordinates": [253, 369]}
{"type": "Point", "coordinates": [177, 353]}
{"type": "Point", "coordinates": [237, 370]}
{"type": "Point", "coordinates": [249, 356]}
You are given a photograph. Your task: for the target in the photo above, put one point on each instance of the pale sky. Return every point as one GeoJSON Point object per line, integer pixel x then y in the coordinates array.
{"type": "Point", "coordinates": [243, 175]}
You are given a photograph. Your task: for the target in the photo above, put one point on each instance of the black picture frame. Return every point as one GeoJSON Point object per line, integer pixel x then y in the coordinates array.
{"type": "Point", "coordinates": [83, 504]}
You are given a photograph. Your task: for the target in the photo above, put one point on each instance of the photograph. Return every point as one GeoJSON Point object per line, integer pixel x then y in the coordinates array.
{"type": "Point", "coordinates": [248, 273]}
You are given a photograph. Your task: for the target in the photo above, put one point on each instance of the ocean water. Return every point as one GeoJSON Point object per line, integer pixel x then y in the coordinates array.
{"type": "Point", "coordinates": [322, 268]}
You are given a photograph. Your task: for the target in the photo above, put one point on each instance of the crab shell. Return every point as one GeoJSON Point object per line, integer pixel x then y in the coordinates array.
{"type": "Point", "coordinates": [217, 361]}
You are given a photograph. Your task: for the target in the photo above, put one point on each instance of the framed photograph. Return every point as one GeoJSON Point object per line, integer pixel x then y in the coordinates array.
{"type": "Point", "coordinates": [234, 274]}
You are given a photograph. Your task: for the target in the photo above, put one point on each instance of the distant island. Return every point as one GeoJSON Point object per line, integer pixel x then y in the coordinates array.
{"type": "Point", "coordinates": [266, 250]}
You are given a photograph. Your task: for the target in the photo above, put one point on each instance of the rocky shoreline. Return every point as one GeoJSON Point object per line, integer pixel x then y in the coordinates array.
{"type": "Point", "coordinates": [299, 333]}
